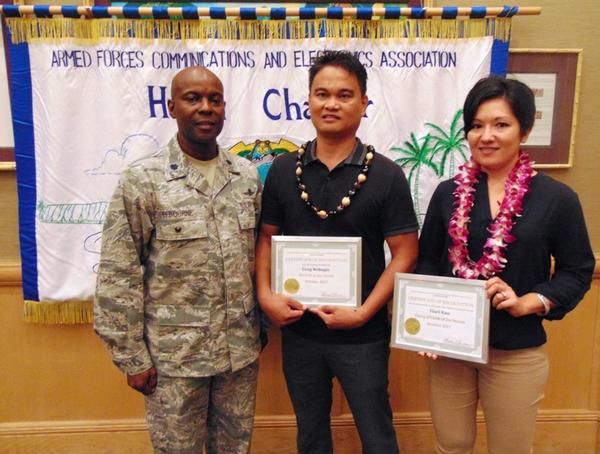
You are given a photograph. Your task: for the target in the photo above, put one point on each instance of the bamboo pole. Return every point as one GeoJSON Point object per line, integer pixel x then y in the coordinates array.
{"type": "Point", "coordinates": [204, 12]}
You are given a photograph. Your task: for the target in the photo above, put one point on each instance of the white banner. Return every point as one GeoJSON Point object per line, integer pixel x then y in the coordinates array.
{"type": "Point", "coordinates": [6, 133]}
{"type": "Point", "coordinates": [98, 108]}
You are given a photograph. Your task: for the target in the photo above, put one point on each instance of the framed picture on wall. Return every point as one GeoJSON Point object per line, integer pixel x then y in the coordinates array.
{"type": "Point", "coordinates": [553, 75]}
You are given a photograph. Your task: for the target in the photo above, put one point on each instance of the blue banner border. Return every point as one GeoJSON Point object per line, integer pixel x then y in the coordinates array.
{"type": "Point", "coordinates": [22, 114]}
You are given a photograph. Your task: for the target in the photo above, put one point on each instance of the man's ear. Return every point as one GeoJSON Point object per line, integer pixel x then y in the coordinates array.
{"type": "Point", "coordinates": [171, 107]}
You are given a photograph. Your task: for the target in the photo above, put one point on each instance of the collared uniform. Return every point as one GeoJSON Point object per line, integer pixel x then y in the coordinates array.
{"type": "Point", "coordinates": [174, 286]}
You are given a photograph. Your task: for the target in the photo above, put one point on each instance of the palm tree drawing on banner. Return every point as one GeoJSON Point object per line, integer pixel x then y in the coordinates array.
{"type": "Point", "coordinates": [449, 144]}
{"type": "Point", "coordinates": [415, 155]}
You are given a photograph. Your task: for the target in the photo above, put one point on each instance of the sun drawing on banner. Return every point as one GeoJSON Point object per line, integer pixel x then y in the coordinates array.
{"type": "Point", "coordinates": [262, 153]}
{"type": "Point", "coordinates": [440, 151]}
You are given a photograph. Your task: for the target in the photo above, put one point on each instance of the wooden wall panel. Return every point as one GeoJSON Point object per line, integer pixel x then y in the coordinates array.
{"type": "Point", "coordinates": [9, 231]}
{"type": "Point", "coordinates": [564, 436]}
{"type": "Point", "coordinates": [59, 390]}
{"type": "Point", "coordinates": [571, 351]}
{"type": "Point", "coordinates": [55, 373]}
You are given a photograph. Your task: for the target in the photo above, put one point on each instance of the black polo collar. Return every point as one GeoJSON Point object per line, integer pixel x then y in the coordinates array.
{"type": "Point", "coordinates": [356, 158]}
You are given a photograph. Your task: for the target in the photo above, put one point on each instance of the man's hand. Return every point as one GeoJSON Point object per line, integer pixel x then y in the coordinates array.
{"type": "Point", "coordinates": [144, 382]}
{"type": "Point", "coordinates": [281, 310]}
{"type": "Point", "coordinates": [336, 317]}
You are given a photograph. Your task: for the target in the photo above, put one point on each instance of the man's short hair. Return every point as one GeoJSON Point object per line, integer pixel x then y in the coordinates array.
{"type": "Point", "coordinates": [342, 59]}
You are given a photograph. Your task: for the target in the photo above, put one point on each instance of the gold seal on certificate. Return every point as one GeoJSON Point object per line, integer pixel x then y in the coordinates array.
{"type": "Point", "coordinates": [412, 326]}
{"type": "Point", "coordinates": [317, 270]}
{"type": "Point", "coordinates": [442, 315]}
{"type": "Point", "coordinates": [291, 286]}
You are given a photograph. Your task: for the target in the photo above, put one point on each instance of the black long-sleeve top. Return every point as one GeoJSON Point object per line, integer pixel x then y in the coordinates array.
{"type": "Point", "coordinates": [552, 225]}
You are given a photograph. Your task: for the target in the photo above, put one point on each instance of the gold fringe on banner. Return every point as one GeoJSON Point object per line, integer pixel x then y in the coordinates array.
{"type": "Point", "coordinates": [93, 30]}
{"type": "Point", "coordinates": [59, 313]}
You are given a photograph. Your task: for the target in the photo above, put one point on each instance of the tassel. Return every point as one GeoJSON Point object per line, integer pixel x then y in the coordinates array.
{"type": "Point", "coordinates": [25, 29]}
{"type": "Point", "coordinates": [58, 312]}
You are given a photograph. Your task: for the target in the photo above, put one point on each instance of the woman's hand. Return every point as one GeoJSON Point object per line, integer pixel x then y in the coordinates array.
{"type": "Point", "coordinates": [428, 355]}
{"type": "Point", "coordinates": [503, 298]}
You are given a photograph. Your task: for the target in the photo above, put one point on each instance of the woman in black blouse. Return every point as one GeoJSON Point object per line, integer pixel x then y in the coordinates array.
{"type": "Point", "coordinates": [501, 221]}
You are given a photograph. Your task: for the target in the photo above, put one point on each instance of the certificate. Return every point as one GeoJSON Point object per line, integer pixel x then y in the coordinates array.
{"type": "Point", "coordinates": [317, 270]}
{"type": "Point", "coordinates": [443, 315]}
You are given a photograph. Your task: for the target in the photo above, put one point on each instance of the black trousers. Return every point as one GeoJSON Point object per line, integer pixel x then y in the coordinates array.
{"type": "Point", "coordinates": [361, 369]}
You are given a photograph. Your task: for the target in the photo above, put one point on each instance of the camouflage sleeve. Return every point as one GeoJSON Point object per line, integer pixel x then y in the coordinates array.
{"type": "Point", "coordinates": [119, 300]}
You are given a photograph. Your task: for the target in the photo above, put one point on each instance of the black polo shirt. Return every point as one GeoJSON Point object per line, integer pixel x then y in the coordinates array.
{"type": "Point", "coordinates": [380, 209]}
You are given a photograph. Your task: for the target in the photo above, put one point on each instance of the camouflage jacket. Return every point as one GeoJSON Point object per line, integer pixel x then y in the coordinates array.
{"type": "Point", "coordinates": [174, 286]}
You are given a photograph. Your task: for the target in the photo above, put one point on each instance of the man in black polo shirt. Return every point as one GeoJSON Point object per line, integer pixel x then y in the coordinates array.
{"type": "Point", "coordinates": [344, 189]}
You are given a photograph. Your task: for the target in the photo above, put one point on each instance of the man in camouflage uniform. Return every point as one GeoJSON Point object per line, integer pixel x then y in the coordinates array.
{"type": "Point", "coordinates": [174, 298]}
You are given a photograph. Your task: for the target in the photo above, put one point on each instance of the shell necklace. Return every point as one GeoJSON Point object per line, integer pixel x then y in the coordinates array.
{"type": "Point", "coordinates": [347, 199]}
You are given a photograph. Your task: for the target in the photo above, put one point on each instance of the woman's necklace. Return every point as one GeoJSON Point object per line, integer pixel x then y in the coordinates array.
{"type": "Point", "coordinates": [347, 199]}
{"type": "Point", "coordinates": [493, 259]}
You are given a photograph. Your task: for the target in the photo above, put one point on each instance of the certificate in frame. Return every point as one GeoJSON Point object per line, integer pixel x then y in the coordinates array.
{"type": "Point", "coordinates": [442, 315]}
{"type": "Point", "coordinates": [317, 270]}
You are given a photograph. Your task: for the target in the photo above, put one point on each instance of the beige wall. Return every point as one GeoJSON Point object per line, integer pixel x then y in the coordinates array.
{"type": "Point", "coordinates": [59, 391]}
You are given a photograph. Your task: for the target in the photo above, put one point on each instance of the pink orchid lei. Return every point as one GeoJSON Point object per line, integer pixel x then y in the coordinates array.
{"type": "Point", "coordinates": [493, 259]}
